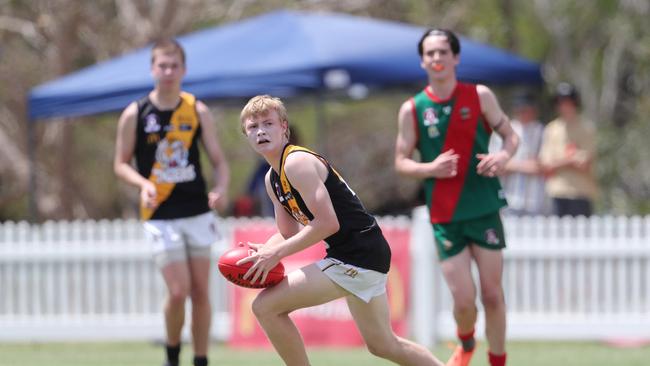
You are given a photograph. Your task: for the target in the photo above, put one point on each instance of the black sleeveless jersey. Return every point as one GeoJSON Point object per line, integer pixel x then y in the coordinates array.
{"type": "Point", "coordinates": [166, 152]}
{"type": "Point", "coordinates": [359, 240]}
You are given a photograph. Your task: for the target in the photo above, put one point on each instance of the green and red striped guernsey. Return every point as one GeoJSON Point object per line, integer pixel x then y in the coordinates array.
{"type": "Point", "coordinates": [456, 123]}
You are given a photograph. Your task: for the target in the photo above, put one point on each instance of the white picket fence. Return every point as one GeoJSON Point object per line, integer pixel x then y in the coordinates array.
{"type": "Point", "coordinates": [564, 279]}
{"type": "Point", "coordinates": [88, 280]}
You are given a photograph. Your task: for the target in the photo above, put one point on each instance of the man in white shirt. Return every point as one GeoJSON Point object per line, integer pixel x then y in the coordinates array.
{"type": "Point", "coordinates": [522, 180]}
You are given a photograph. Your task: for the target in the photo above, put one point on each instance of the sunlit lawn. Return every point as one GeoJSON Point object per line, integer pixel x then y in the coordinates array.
{"type": "Point", "coordinates": [116, 354]}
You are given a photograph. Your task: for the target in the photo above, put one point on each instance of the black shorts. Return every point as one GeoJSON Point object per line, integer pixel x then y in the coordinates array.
{"type": "Point", "coordinates": [572, 207]}
{"type": "Point", "coordinates": [365, 248]}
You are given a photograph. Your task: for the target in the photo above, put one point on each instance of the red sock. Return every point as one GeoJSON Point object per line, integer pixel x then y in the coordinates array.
{"type": "Point", "coordinates": [497, 360]}
{"type": "Point", "coordinates": [467, 339]}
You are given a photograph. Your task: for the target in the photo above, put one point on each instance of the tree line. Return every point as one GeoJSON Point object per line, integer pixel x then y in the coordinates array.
{"type": "Point", "coordinates": [601, 47]}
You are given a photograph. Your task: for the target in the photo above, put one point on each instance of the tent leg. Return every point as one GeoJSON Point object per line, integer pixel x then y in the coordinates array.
{"type": "Point", "coordinates": [321, 129]}
{"type": "Point", "coordinates": [31, 152]}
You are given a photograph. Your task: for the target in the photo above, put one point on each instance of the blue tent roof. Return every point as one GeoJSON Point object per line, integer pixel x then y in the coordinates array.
{"type": "Point", "coordinates": [281, 53]}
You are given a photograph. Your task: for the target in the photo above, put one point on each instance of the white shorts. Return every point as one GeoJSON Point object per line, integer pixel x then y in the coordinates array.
{"type": "Point", "coordinates": [176, 240]}
{"type": "Point", "coordinates": [363, 283]}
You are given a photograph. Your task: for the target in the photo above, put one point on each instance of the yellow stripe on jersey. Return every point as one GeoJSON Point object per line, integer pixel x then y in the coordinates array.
{"type": "Point", "coordinates": [296, 212]}
{"type": "Point", "coordinates": [291, 201]}
{"type": "Point", "coordinates": [184, 115]}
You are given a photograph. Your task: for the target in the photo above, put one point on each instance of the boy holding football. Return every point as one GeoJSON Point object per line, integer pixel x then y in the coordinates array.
{"type": "Point", "coordinates": [312, 202]}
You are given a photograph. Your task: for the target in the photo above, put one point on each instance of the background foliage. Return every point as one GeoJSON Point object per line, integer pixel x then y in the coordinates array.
{"type": "Point", "coordinates": [601, 46]}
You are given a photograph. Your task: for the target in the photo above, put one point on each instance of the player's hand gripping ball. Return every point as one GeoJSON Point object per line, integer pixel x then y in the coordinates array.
{"type": "Point", "coordinates": [235, 273]}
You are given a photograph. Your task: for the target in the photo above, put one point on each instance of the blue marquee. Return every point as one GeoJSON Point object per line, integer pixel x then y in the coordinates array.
{"type": "Point", "coordinates": [281, 53]}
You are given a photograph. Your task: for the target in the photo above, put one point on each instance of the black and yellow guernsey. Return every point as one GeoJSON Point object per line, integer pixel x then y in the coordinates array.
{"type": "Point", "coordinates": [359, 240]}
{"type": "Point", "coordinates": [167, 154]}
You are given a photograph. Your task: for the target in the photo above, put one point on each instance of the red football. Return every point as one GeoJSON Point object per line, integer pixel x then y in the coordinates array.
{"type": "Point", "coordinates": [235, 274]}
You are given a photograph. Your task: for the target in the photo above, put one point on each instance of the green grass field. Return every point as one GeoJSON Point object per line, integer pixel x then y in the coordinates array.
{"type": "Point", "coordinates": [144, 354]}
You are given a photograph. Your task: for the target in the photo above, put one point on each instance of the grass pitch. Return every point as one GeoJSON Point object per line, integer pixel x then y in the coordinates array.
{"type": "Point", "coordinates": [145, 354]}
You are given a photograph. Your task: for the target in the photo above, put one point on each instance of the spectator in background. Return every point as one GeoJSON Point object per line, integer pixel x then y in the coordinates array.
{"type": "Point", "coordinates": [522, 179]}
{"type": "Point", "coordinates": [567, 156]}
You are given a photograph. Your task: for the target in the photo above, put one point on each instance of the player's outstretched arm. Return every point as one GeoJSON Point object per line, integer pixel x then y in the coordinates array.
{"type": "Point", "coordinates": [307, 174]}
{"type": "Point", "coordinates": [287, 226]}
{"type": "Point", "coordinates": [405, 143]}
{"type": "Point", "coordinates": [218, 195]}
{"type": "Point", "coordinates": [125, 147]}
{"type": "Point", "coordinates": [124, 150]}
{"type": "Point", "coordinates": [443, 166]}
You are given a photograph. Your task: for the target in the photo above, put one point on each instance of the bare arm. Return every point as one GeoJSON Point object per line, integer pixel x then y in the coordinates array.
{"type": "Point", "coordinates": [444, 166]}
{"type": "Point", "coordinates": [217, 197]}
{"type": "Point", "coordinates": [493, 164]}
{"type": "Point", "coordinates": [548, 161]}
{"type": "Point", "coordinates": [307, 174]}
{"type": "Point", "coordinates": [582, 156]}
{"type": "Point", "coordinates": [526, 166]}
{"type": "Point", "coordinates": [583, 162]}
{"type": "Point", "coordinates": [552, 160]}
{"type": "Point", "coordinates": [530, 166]}
{"type": "Point", "coordinates": [124, 150]}
{"type": "Point", "coordinates": [580, 160]}
{"type": "Point", "coordinates": [287, 226]}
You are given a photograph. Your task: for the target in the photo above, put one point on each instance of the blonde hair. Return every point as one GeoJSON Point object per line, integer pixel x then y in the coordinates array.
{"type": "Point", "coordinates": [261, 105]}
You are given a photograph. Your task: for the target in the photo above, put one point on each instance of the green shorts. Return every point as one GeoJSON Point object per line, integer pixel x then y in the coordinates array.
{"type": "Point", "coordinates": [485, 231]}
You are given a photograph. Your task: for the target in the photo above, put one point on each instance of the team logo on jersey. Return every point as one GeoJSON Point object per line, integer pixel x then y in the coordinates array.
{"type": "Point", "coordinates": [185, 127]}
{"type": "Point", "coordinates": [465, 113]}
{"type": "Point", "coordinates": [447, 244]}
{"type": "Point", "coordinates": [185, 119]}
{"type": "Point", "coordinates": [153, 138]}
{"type": "Point", "coordinates": [174, 165]}
{"type": "Point", "coordinates": [446, 109]}
{"type": "Point", "coordinates": [278, 193]}
{"type": "Point", "coordinates": [151, 124]}
{"type": "Point", "coordinates": [299, 216]}
{"type": "Point", "coordinates": [282, 197]}
{"type": "Point", "coordinates": [432, 131]}
{"type": "Point", "coordinates": [429, 117]}
{"type": "Point", "coordinates": [293, 211]}
{"type": "Point", "coordinates": [491, 237]}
